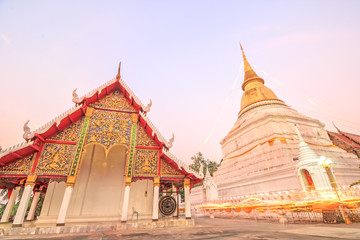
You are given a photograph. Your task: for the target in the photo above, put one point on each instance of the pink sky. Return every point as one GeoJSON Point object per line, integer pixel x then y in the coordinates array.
{"type": "Point", "coordinates": [184, 56]}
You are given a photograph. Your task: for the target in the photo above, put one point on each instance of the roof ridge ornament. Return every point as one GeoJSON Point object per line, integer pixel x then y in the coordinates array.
{"type": "Point", "coordinates": [148, 107]}
{"type": "Point", "coordinates": [27, 130]}
{"type": "Point", "coordinates": [118, 75]}
{"type": "Point", "coordinates": [170, 142]}
{"type": "Point", "coordinates": [75, 99]}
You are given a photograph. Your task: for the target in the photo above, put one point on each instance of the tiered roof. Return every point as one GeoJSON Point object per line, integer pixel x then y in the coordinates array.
{"type": "Point", "coordinates": [348, 141]}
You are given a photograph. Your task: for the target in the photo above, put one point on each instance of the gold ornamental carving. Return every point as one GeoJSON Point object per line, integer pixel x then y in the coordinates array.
{"type": "Point", "coordinates": [144, 139]}
{"type": "Point", "coordinates": [109, 128]}
{"type": "Point", "coordinates": [146, 162]}
{"type": "Point", "coordinates": [30, 180]}
{"type": "Point", "coordinates": [186, 182]}
{"type": "Point", "coordinates": [69, 134]}
{"type": "Point", "coordinates": [20, 166]}
{"type": "Point", "coordinates": [114, 101]}
{"type": "Point", "coordinates": [168, 170]}
{"type": "Point", "coordinates": [156, 181]}
{"type": "Point", "coordinates": [55, 159]}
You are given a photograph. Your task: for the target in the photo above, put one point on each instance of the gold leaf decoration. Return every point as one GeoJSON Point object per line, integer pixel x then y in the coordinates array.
{"type": "Point", "coordinates": [22, 166]}
{"type": "Point", "coordinates": [114, 101]}
{"type": "Point", "coordinates": [55, 159]}
{"type": "Point", "coordinates": [144, 139]}
{"type": "Point", "coordinates": [168, 170]}
{"type": "Point", "coordinates": [146, 162]}
{"type": "Point", "coordinates": [109, 128]}
{"type": "Point", "coordinates": [69, 134]}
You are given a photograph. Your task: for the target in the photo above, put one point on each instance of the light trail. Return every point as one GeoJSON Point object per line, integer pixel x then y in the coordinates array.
{"type": "Point", "coordinates": [222, 108]}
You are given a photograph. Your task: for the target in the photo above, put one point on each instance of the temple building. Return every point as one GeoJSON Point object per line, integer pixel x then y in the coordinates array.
{"type": "Point", "coordinates": [102, 160]}
{"type": "Point", "coordinates": [274, 148]}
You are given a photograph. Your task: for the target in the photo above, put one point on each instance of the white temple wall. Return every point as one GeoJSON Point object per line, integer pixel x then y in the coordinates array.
{"type": "Point", "coordinates": [141, 201]}
{"type": "Point", "coordinates": [197, 195]}
{"type": "Point", "coordinates": [98, 191]}
{"type": "Point", "coordinates": [52, 202]}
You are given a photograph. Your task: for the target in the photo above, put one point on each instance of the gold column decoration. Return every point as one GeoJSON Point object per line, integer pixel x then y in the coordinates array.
{"type": "Point", "coordinates": [70, 181]}
{"type": "Point", "coordinates": [156, 182]}
{"type": "Point", "coordinates": [129, 164]}
{"type": "Point", "coordinates": [187, 182]}
{"type": "Point", "coordinates": [128, 181]}
{"type": "Point", "coordinates": [80, 144]}
{"type": "Point", "coordinates": [30, 181]}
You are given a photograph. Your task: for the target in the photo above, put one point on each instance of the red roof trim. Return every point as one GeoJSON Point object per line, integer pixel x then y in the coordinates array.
{"type": "Point", "coordinates": [75, 116]}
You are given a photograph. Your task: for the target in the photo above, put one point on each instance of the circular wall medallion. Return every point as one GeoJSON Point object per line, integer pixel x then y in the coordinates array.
{"type": "Point", "coordinates": [167, 205]}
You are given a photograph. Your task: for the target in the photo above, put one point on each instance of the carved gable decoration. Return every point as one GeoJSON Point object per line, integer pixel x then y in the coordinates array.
{"type": "Point", "coordinates": [114, 101]}
{"type": "Point", "coordinates": [21, 166]}
{"type": "Point", "coordinates": [146, 162]}
{"type": "Point", "coordinates": [55, 159]}
{"type": "Point", "coordinates": [69, 134]}
{"type": "Point", "coordinates": [109, 128]}
{"type": "Point", "coordinates": [143, 138]}
{"type": "Point", "coordinates": [168, 170]}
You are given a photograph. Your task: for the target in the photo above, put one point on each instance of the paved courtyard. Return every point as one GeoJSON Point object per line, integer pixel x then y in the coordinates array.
{"type": "Point", "coordinates": [217, 228]}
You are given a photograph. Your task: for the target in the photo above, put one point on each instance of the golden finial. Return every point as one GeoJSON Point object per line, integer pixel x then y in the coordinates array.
{"type": "Point", "coordinates": [118, 74]}
{"type": "Point", "coordinates": [242, 50]}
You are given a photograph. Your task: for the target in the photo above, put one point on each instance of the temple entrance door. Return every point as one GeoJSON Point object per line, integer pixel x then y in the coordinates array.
{"type": "Point", "coordinates": [99, 188]}
{"type": "Point", "coordinates": [307, 179]}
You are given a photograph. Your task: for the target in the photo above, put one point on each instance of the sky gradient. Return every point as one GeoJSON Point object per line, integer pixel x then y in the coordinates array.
{"type": "Point", "coordinates": [185, 56]}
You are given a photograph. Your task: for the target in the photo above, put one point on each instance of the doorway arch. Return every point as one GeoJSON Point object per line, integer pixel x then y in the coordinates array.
{"type": "Point", "coordinates": [307, 180]}
{"type": "Point", "coordinates": [99, 187]}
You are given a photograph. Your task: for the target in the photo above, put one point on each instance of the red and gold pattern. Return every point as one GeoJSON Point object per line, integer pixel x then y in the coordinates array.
{"type": "Point", "coordinates": [143, 139]}
{"type": "Point", "coordinates": [167, 170]}
{"type": "Point", "coordinates": [109, 128]}
{"type": "Point", "coordinates": [21, 166]}
{"type": "Point", "coordinates": [55, 159]}
{"type": "Point", "coordinates": [146, 162]}
{"type": "Point", "coordinates": [114, 101]}
{"type": "Point", "coordinates": [69, 134]}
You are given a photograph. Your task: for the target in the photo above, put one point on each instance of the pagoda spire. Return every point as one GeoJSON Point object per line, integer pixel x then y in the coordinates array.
{"type": "Point", "coordinates": [250, 74]}
{"type": "Point", "coordinates": [254, 89]}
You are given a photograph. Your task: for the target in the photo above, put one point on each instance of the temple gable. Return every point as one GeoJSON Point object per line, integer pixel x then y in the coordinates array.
{"type": "Point", "coordinates": [69, 134]}
{"type": "Point", "coordinates": [55, 159]}
{"type": "Point", "coordinates": [109, 128]}
{"type": "Point", "coordinates": [146, 162]}
{"type": "Point", "coordinates": [21, 166]}
{"type": "Point", "coordinates": [143, 139]}
{"type": "Point", "coordinates": [168, 170]}
{"type": "Point", "coordinates": [114, 101]}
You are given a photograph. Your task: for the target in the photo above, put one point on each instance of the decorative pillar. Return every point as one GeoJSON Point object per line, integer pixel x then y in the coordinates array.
{"type": "Point", "coordinates": [174, 195]}
{"type": "Point", "coordinates": [125, 207]}
{"type": "Point", "coordinates": [10, 205]}
{"type": "Point", "coordinates": [129, 166]}
{"type": "Point", "coordinates": [66, 200]}
{"type": "Point", "coordinates": [74, 169]}
{"type": "Point", "coordinates": [34, 203]}
{"type": "Point", "coordinates": [155, 215]}
{"type": "Point", "coordinates": [24, 202]}
{"type": "Point", "coordinates": [187, 198]}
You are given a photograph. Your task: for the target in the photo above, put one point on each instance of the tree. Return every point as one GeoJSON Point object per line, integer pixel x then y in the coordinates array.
{"type": "Point", "coordinates": [200, 163]}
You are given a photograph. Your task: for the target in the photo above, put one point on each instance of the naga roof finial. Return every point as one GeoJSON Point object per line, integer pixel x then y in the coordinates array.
{"type": "Point", "coordinates": [170, 142]}
{"type": "Point", "coordinates": [148, 107]}
{"type": "Point", "coordinates": [27, 130]}
{"type": "Point", "coordinates": [118, 74]}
